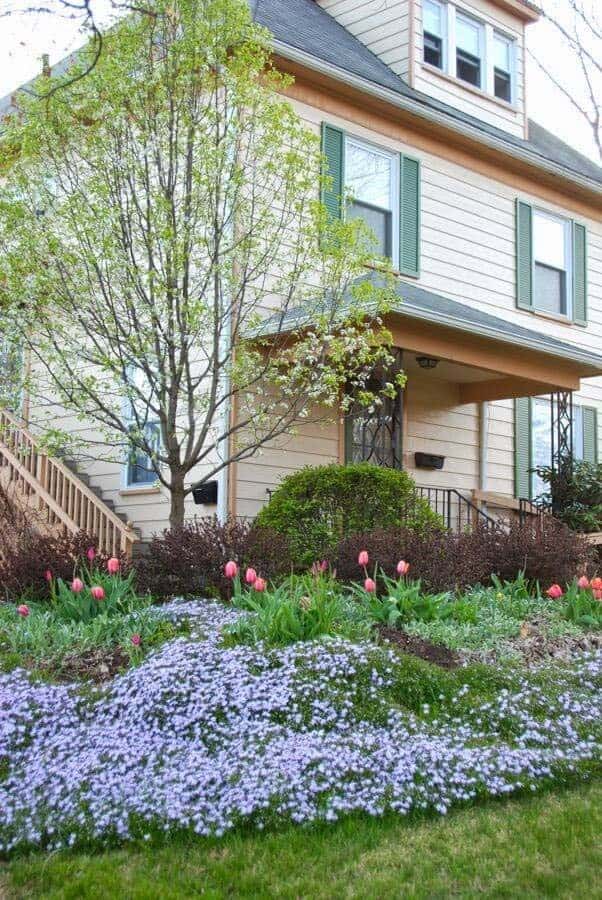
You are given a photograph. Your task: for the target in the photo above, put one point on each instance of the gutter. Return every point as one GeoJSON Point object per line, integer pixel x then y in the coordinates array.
{"type": "Point", "coordinates": [407, 104]}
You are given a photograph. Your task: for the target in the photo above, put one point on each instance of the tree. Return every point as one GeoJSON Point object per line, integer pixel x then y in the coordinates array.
{"type": "Point", "coordinates": [578, 25]}
{"type": "Point", "coordinates": [155, 213]}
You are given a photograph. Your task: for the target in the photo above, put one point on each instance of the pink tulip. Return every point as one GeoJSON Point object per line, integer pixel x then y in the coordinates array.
{"type": "Point", "coordinates": [583, 583]}
{"type": "Point", "coordinates": [370, 585]}
{"type": "Point", "coordinates": [136, 640]}
{"type": "Point", "coordinates": [403, 567]}
{"type": "Point", "coordinates": [231, 569]}
{"type": "Point", "coordinates": [363, 558]}
{"type": "Point", "coordinates": [319, 567]}
{"type": "Point", "coordinates": [596, 584]}
{"type": "Point", "coordinates": [77, 585]}
{"type": "Point", "coordinates": [91, 554]}
{"type": "Point", "coordinates": [113, 565]}
{"type": "Point", "coordinates": [598, 595]}
{"type": "Point", "coordinates": [97, 592]}
{"type": "Point", "coordinates": [250, 576]}
{"type": "Point", "coordinates": [48, 575]}
{"type": "Point", "coordinates": [260, 584]}
{"type": "Point", "coordinates": [23, 610]}
{"type": "Point", "coordinates": [554, 592]}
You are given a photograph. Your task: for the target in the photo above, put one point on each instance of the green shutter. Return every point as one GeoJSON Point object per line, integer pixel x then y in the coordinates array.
{"type": "Point", "coordinates": [524, 255]}
{"type": "Point", "coordinates": [522, 447]}
{"type": "Point", "coordinates": [579, 274]}
{"type": "Point", "coordinates": [590, 434]}
{"type": "Point", "coordinates": [409, 216]}
{"type": "Point", "coordinates": [333, 149]}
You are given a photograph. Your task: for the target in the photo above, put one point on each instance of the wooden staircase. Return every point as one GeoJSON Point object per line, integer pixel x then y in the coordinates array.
{"type": "Point", "coordinates": [61, 499]}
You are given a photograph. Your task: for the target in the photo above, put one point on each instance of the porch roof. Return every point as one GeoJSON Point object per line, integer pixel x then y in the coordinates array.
{"type": "Point", "coordinates": [426, 322]}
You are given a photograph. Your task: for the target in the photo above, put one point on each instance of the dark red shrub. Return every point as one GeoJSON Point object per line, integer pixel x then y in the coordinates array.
{"type": "Point", "coordinates": [189, 561]}
{"type": "Point", "coordinates": [444, 560]}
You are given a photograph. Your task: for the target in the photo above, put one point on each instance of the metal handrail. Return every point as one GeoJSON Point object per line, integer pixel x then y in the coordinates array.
{"type": "Point", "coordinates": [458, 512]}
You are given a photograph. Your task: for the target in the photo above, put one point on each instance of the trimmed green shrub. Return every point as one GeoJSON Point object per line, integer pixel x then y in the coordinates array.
{"type": "Point", "coordinates": [317, 507]}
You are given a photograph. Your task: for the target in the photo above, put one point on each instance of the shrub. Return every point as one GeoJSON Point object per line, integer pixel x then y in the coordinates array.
{"type": "Point", "coordinates": [318, 506]}
{"type": "Point", "coordinates": [579, 497]}
{"type": "Point", "coordinates": [445, 561]}
{"type": "Point", "coordinates": [189, 561]}
{"type": "Point", "coordinates": [30, 555]}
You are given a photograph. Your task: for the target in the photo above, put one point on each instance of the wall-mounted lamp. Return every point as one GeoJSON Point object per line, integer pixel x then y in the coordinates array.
{"type": "Point", "coordinates": [427, 362]}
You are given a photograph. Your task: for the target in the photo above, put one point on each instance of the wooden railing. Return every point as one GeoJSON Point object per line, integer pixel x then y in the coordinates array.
{"type": "Point", "coordinates": [60, 500]}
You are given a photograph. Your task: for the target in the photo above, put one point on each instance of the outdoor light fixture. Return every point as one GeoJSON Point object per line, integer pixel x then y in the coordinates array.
{"type": "Point", "coordinates": [426, 362]}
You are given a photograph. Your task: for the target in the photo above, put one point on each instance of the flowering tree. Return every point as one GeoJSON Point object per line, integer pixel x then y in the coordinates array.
{"type": "Point", "coordinates": [155, 212]}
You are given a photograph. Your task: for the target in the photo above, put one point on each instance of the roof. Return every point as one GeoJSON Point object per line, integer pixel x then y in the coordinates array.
{"type": "Point", "coordinates": [304, 25]}
{"type": "Point", "coordinates": [417, 303]}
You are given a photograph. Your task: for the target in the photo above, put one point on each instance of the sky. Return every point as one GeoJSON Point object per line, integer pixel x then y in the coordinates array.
{"type": "Point", "coordinates": [24, 37]}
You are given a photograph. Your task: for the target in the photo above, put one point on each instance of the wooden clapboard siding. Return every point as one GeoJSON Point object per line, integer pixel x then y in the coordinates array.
{"type": "Point", "coordinates": [384, 27]}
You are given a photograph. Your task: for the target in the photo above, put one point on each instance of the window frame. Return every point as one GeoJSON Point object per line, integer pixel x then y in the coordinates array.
{"type": "Point", "coordinates": [450, 11]}
{"type": "Point", "coordinates": [127, 468]}
{"type": "Point", "coordinates": [460, 15]}
{"type": "Point", "coordinates": [569, 257]}
{"type": "Point", "coordinates": [394, 190]}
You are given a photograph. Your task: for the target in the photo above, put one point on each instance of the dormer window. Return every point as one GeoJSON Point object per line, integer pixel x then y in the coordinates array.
{"type": "Point", "coordinates": [468, 49]}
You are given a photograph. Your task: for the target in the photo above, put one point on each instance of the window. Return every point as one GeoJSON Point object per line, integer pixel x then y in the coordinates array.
{"type": "Point", "coordinates": [469, 44]}
{"type": "Point", "coordinates": [372, 181]}
{"type": "Point", "coordinates": [541, 439]}
{"type": "Point", "coordinates": [502, 67]}
{"type": "Point", "coordinates": [433, 33]}
{"type": "Point", "coordinates": [552, 263]}
{"type": "Point", "coordinates": [468, 49]}
{"type": "Point", "coordinates": [139, 469]}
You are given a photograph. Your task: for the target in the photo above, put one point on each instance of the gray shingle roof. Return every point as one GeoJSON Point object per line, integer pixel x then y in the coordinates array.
{"type": "Point", "coordinates": [306, 26]}
{"type": "Point", "coordinates": [417, 303]}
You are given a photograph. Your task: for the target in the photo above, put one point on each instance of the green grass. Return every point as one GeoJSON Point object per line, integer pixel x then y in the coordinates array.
{"type": "Point", "coordinates": [536, 847]}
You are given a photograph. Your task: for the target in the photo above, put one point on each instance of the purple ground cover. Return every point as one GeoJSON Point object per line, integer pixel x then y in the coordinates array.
{"type": "Point", "coordinates": [205, 738]}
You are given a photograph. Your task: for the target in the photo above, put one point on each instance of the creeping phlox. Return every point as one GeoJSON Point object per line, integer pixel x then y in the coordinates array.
{"type": "Point", "coordinates": [205, 737]}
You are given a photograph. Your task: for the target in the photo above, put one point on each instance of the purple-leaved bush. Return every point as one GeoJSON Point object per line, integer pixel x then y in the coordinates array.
{"type": "Point", "coordinates": [203, 737]}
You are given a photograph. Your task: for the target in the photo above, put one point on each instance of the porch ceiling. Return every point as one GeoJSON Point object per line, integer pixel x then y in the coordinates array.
{"type": "Point", "coordinates": [505, 359]}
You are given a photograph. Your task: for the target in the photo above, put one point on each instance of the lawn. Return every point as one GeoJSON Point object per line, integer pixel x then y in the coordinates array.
{"type": "Point", "coordinates": [542, 846]}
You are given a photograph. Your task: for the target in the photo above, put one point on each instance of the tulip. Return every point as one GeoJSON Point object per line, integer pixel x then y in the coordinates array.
{"type": "Point", "coordinates": [319, 567]}
{"type": "Point", "coordinates": [260, 584]}
{"type": "Point", "coordinates": [370, 585]}
{"type": "Point", "coordinates": [596, 584]}
{"type": "Point", "coordinates": [583, 583]}
{"type": "Point", "coordinates": [250, 576]}
{"type": "Point", "coordinates": [136, 640]}
{"type": "Point", "coordinates": [554, 592]}
{"type": "Point", "coordinates": [113, 565]}
{"type": "Point", "coordinates": [48, 575]}
{"type": "Point", "coordinates": [598, 595]}
{"type": "Point", "coordinates": [23, 610]}
{"type": "Point", "coordinates": [91, 554]}
{"type": "Point", "coordinates": [403, 567]}
{"type": "Point", "coordinates": [363, 558]}
{"type": "Point", "coordinates": [97, 592]}
{"type": "Point", "coordinates": [77, 585]}
{"type": "Point", "coordinates": [231, 569]}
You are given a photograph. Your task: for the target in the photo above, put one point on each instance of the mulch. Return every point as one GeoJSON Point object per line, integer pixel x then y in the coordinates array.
{"type": "Point", "coordinates": [417, 646]}
{"type": "Point", "coordinates": [98, 665]}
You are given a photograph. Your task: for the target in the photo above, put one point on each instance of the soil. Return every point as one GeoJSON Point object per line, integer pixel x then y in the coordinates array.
{"type": "Point", "coordinates": [417, 646]}
{"type": "Point", "coordinates": [97, 665]}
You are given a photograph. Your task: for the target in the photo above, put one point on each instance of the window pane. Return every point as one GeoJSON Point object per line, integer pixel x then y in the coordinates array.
{"type": "Point", "coordinates": [502, 86]}
{"type": "Point", "coordinates": [468, 36]}
{"type": "Point", "coordinates": [432, 18]}
{"type": "Point", "coordinates": [541, 442]}
{"type": "Point", "coordinates": [550, 289]}
{"type": "Point", "coordinates": [578, 446]}
{"type": "Point", "coordinates": [378, 220]}
{"type": "Point", "coordinates": [433, 51]}
{"type": "Point", "coordinates": [368, 175]}
{"type": "Point", "coordinates": [501, 53]}
{"type": "Point", "coordinates": [549, 240]}
{"type": "Point", "coordinates": [468, 68]}
{"type": "Point", "coordinates": [140, 468]}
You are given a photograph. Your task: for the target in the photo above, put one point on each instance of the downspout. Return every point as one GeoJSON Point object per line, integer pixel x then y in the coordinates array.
{"type": "Point", "coordinates": [483, 448]}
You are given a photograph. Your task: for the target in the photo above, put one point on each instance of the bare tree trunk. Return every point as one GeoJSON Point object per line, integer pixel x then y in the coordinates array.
{"type": "Point", "coordinates": [177, 500]}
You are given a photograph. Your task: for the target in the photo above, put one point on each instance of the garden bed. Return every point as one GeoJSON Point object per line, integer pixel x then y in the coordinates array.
{"type": "Point", "coordinates": [410, 643]}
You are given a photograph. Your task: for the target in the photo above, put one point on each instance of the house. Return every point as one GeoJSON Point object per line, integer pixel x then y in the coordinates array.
{"type": "Point", "coordinates": [495, 227]}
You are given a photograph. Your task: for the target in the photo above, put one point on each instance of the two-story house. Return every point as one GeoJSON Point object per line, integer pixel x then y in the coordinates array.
{"type": "Point", "coordinates": [494, 225]}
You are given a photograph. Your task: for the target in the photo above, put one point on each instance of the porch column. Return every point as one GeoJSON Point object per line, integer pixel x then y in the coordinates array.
{"type": "Point", "coordinates": [562, 445]}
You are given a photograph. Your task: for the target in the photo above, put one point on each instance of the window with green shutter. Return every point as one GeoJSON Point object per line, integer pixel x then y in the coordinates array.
{"type": "Point", "coordinates": [533, 440]}
{"type": "Point", "coordinates": [551, 263]}
{"type": "Point", "coordinates": [383, 189]}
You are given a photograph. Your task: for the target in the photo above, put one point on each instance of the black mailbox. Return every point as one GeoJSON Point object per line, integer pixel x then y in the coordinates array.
{"type": "Point", "coordinates": [428, 461]}
{"type": "Point", "coordinates": [206, 492]}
